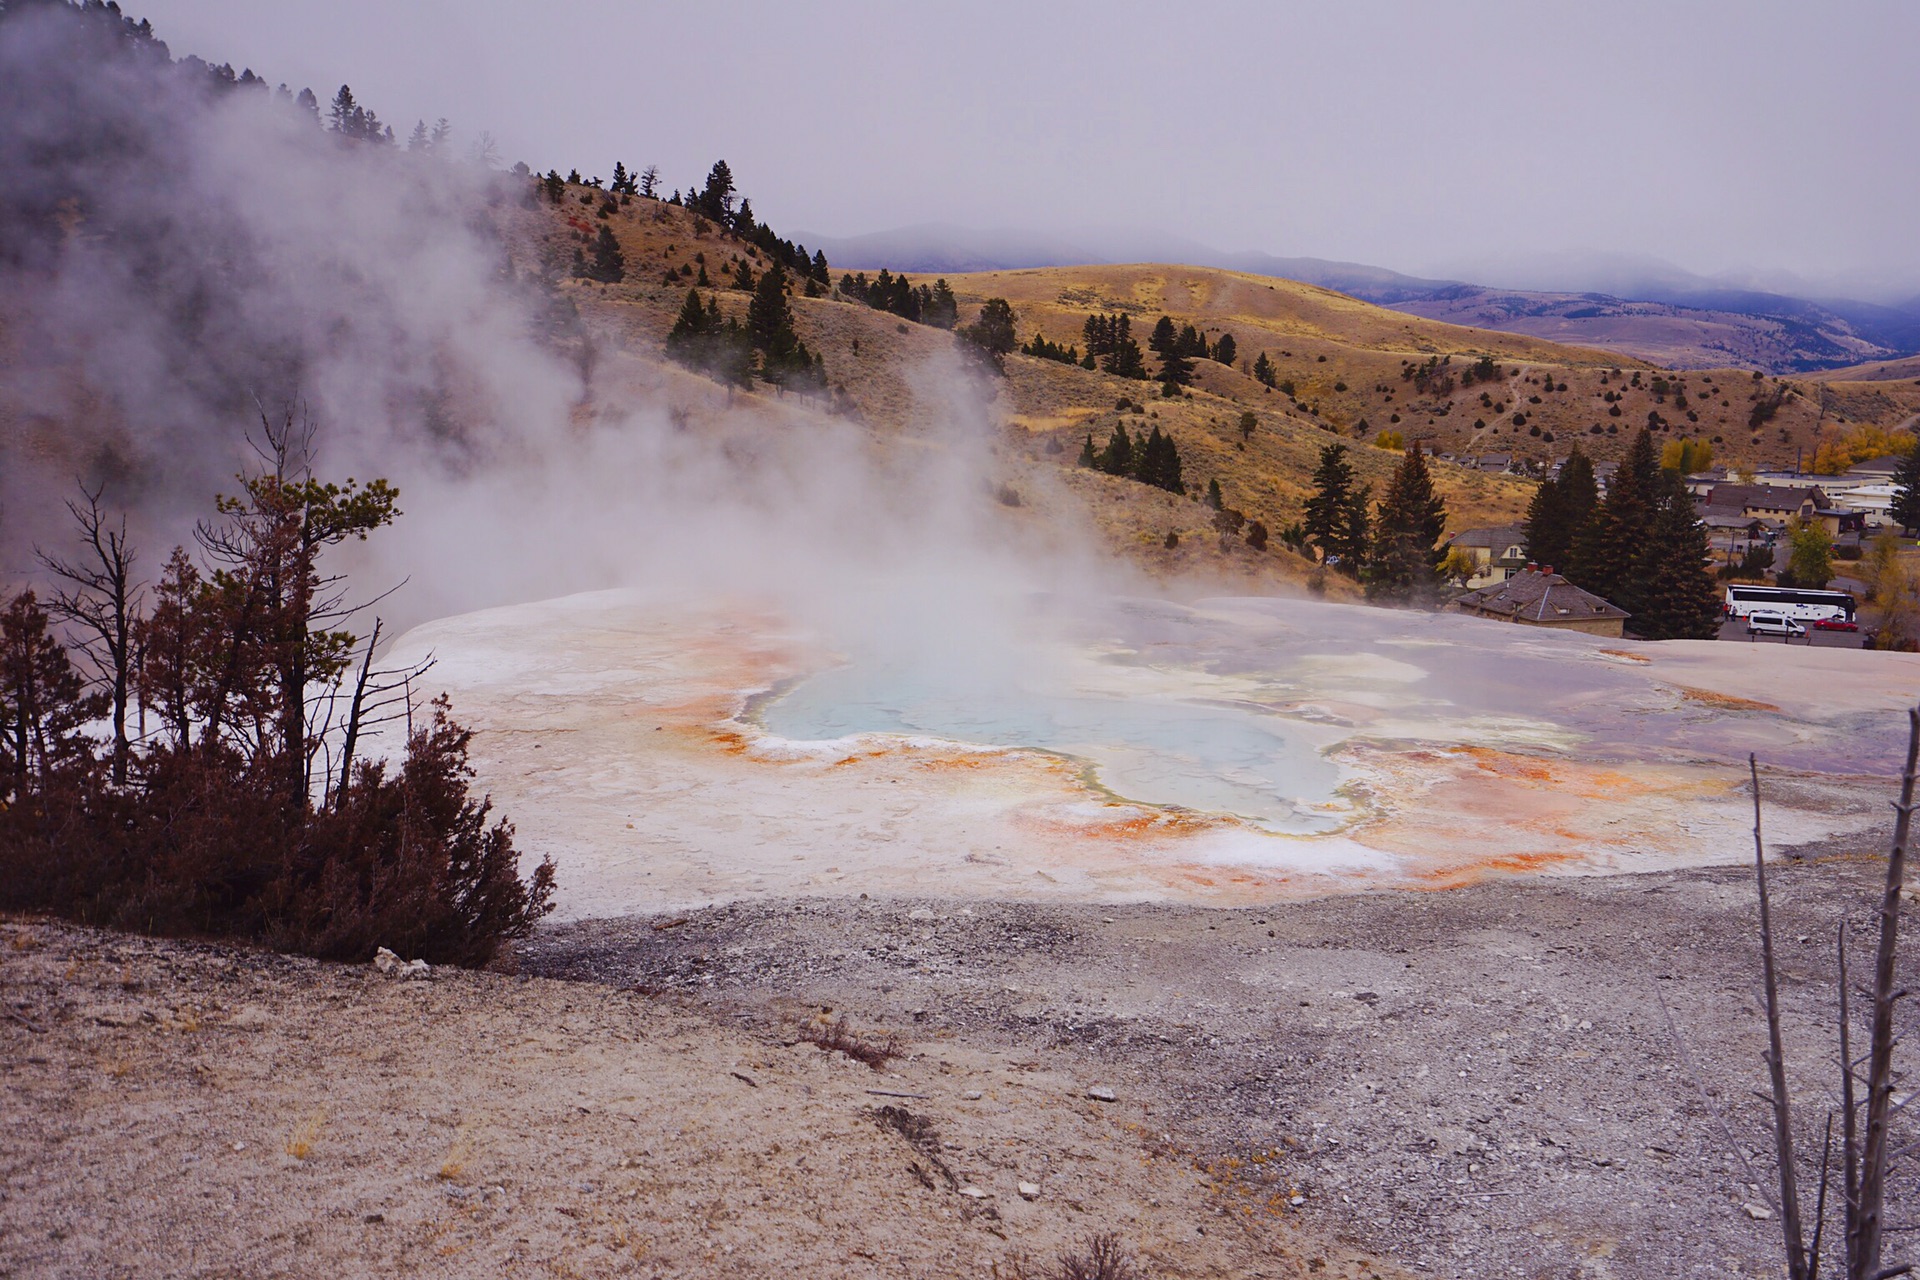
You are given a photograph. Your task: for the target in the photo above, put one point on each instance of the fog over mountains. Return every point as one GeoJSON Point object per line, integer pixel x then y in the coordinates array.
{"type": "Point", "coordinates": [1637, 305]}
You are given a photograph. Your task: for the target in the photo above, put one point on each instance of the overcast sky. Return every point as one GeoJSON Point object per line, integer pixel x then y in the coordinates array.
{"type": "Point", "coordinates": [1469, 138]}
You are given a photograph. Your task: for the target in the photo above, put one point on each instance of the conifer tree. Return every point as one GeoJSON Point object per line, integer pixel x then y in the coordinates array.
{"type": "Point", "coordinates": [994, 331]}
{"type": "Point", "coordinates": [418, 140]}
{"type": "Point", "coordinates": [715, 200]}
{"type": "Point", "coordinates": [1905, 510]}
{"type": "Point", "coordinates": [768, 315]}
{"type": "Point", "coordinates": [1560, 508]}
{"type": "Point", "coordinates": [742, 276]}
{"type": "Point", "coordinates": [1608, 550]}
{"type": "Point", "coordinates": [1213, 494]}
{"type": "Point", "coordinates": [1336, 513]}
{"type": "Point", "coordinates": [609, 265]}
{"type": "Point", "coordinates": [1088, 457]}
{"type": "Point", "coordinates": [1679, 599]}
{"type": "Point", "coordinates": [1191, 344]}
{"type": "Point", "coordinates": [1165, 338]}
{"type": "Point", "coordinates": [1123, 357]}
{"type": "Point", "coordinates": [743, 221]}
{"type": "Point", "coordinates": [1404, 558]}
{"type": "Point", "coordinates": [942, 309]}
{"type": "Point", "coordinates": [1117, 458]}
{"type": "Point", "coordinates": [1226, 350]}
{"type": "Point", "coordinates": [1263, 371]}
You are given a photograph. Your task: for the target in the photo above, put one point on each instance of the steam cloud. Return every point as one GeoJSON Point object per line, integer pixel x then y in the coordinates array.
{"type": "Point", "coordinates": [174, 258]}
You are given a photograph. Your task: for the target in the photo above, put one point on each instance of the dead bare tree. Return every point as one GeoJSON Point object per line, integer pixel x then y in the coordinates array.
{"type": "Point", "coordinates": [100, 597]}
{"type": "Point", "coordinates": [1866, 1151]}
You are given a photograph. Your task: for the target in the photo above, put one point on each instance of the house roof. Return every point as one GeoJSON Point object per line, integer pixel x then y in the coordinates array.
{"type": "Point", "coordinates": [1533, 595]}
{"type": "Point", "coordinates": [1768, 496]}
{"type": "Point", "coordinates": [1884, 465]}
{"type": "Point", "coordinates": [1494, 536]}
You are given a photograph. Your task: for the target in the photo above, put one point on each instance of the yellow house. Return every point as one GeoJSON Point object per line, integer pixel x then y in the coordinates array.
{"type": "Point", "coordinates": [1497, 552]}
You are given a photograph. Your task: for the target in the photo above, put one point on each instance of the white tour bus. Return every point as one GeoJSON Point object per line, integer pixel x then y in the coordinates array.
{"type": "Point", "coordinates": [1789, 602]}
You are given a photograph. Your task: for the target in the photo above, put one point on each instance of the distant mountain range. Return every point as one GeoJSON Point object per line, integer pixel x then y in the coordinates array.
{"type": "Point", "coordinates": [1649, 310]}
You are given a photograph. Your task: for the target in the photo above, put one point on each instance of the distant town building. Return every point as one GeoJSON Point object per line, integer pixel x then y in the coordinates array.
{"type": "Point", "coordinates": [1539, 597]}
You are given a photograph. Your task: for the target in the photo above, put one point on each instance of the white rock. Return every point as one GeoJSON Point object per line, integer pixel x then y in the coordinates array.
{"type": "Point", "coordinates": [415, 969]}
{"type": "Point", "coordinates": [920, 913]}
{"type": "Point", "coordinates": [973, 1193]}
{"type": "Point", "coordinates": [1100, 1093]}
{"type": "Point", "coordinates": [1029, 1191]}
{"type": "Point", "coordinates": [385, 961]}
{"type": "Point", "coordinates": [973, 1095]}
{"type": "Point", "coordinates": [1758, 1212]}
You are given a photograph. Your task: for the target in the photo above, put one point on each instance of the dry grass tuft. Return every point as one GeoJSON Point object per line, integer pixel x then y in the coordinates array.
{"type": "Point", "coordinates": [837, 1037]}
{"type": "Point", "coordinates": [458, 1153]}
{"type": "Point", "coordinates": [305, 1134]}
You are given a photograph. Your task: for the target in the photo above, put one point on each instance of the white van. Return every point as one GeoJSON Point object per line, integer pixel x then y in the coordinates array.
{"type": "Point", "coordinates": [1773, 624]}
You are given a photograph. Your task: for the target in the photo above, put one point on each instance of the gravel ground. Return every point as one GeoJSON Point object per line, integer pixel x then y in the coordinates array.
{"type": "Point", "coordinates": [1471, 1083]}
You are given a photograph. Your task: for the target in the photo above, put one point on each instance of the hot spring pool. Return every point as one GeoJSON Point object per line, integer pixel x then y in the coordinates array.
{"type": "Point", "coordinates": [1141, 745]}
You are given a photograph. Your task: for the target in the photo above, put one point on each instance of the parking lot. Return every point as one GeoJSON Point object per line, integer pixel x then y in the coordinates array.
{"type": "Point", "coordinates": [1736, 629]}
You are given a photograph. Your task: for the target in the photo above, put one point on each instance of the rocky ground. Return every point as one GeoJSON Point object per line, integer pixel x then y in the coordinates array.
{"type": "Point", "coordinates": [1472, 1083]}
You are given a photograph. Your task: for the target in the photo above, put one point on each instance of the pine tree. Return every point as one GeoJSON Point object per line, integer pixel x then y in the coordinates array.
{"type": "Point", "coordinates": [743, 221]}
{"type": "Point", "coordinates": [650, 181]}
{"type": "Point", "coordinates": [1088, 458]}
{"type": "Point", "coordinates": [344, 112]}
{"type": "Point", "coordinates": [418, 140]}
{"type": "Point", "coordinates": [1124, 359]}
{"type": "Point", "coordinates": [715, 201]}
{"type": "Point", "coordinates": [1191, 344]}
{"type": "Point", "coordinates": [942, 310]}
{"type": "Point", "coordinates": [1263, 371]}
{"type": "Point", "coordinates": [1213, 494]}
{"type": "Point", "coordinates": [1607, 550]}
{"type": "Point", "coordinates": [1175, 369]}
{"type": "Point", "coordinates": [821, 272]}
{"type": "Point", "coordinates": [1336, 513]}
{"type": "Point", "coordinates": [1117, 458]}
{"type": "Point", "coordinates": [620, 179]}
{"type": "Point", "coordinates": [1560, 508]}
{"type": "Point", "coordinates": [768, 315]}
{"type": "Point", "coordinates": [609, 265]}
{"type": "Point", "coordinates": [994, 331]}
{"type": "Point", "coordinates": [1404, 558]}
{"type": "Point", "coordinates": [1905, 510]}
{"type": "Point", "coordinates": [1165, 338]}
{"type": "Point", "coordinates": [1679, 599]}
{"type": "Point", "coordinates": [1226, 349]}
{"type": "Point", "coordinates": [742, 276]}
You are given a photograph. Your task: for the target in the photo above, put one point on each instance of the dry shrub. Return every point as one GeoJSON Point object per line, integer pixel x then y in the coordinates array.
{"type": "Point", "coordinates": [837, 1037]}
{"type": "Point", "coordinates": [1096, 1257]}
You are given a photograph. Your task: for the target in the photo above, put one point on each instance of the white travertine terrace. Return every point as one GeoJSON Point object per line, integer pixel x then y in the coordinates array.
{"type": "Point", "coordinates": [1230, 751]}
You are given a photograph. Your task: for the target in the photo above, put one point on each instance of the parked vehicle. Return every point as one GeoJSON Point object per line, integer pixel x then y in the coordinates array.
{"type": "Point", "coordinates": [1773, 624]}
{"type": "Point", "coordinates": [1790, 602]}
{"type": "Point", "coordinates": [1835, 624]}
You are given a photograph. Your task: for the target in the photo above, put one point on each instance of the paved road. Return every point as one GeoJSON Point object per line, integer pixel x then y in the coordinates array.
{"type": "Point", "coordinates": [1736, 629]}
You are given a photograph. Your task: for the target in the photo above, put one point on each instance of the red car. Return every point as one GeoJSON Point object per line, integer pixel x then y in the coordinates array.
{"type": "Point", "coordinates": [1835, 624]}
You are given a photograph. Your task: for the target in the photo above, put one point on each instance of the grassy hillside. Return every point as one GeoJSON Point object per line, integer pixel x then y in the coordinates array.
{"type": "Point", "coordinates": [1345, 362]}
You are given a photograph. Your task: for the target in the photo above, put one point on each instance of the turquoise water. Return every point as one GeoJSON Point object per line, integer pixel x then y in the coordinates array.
{"type": "Point", "coordinates": [1156, 750]}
